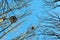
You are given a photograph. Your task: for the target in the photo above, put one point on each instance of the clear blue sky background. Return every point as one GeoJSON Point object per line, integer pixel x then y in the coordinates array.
{"type": "Point", "coordinates": [37, 8]}
{"type": "Point", "coordinates": [31, 19]}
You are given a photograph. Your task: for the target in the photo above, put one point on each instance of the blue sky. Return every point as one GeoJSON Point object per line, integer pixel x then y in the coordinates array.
{"type": "Point", "coordinates": [37, 8]}
{"type": "Point", "coordinates": [31, 19]}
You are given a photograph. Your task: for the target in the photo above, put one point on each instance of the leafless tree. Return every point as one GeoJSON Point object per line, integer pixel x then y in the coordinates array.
{"type": "Point", "coordinates": [6, 8]}
{"type": "Point", "coordinates": [51, 4]}
{"type": "Point", "coordinates": [50, 26]}
{"type": "Point", "coordinates": [32, 33]}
